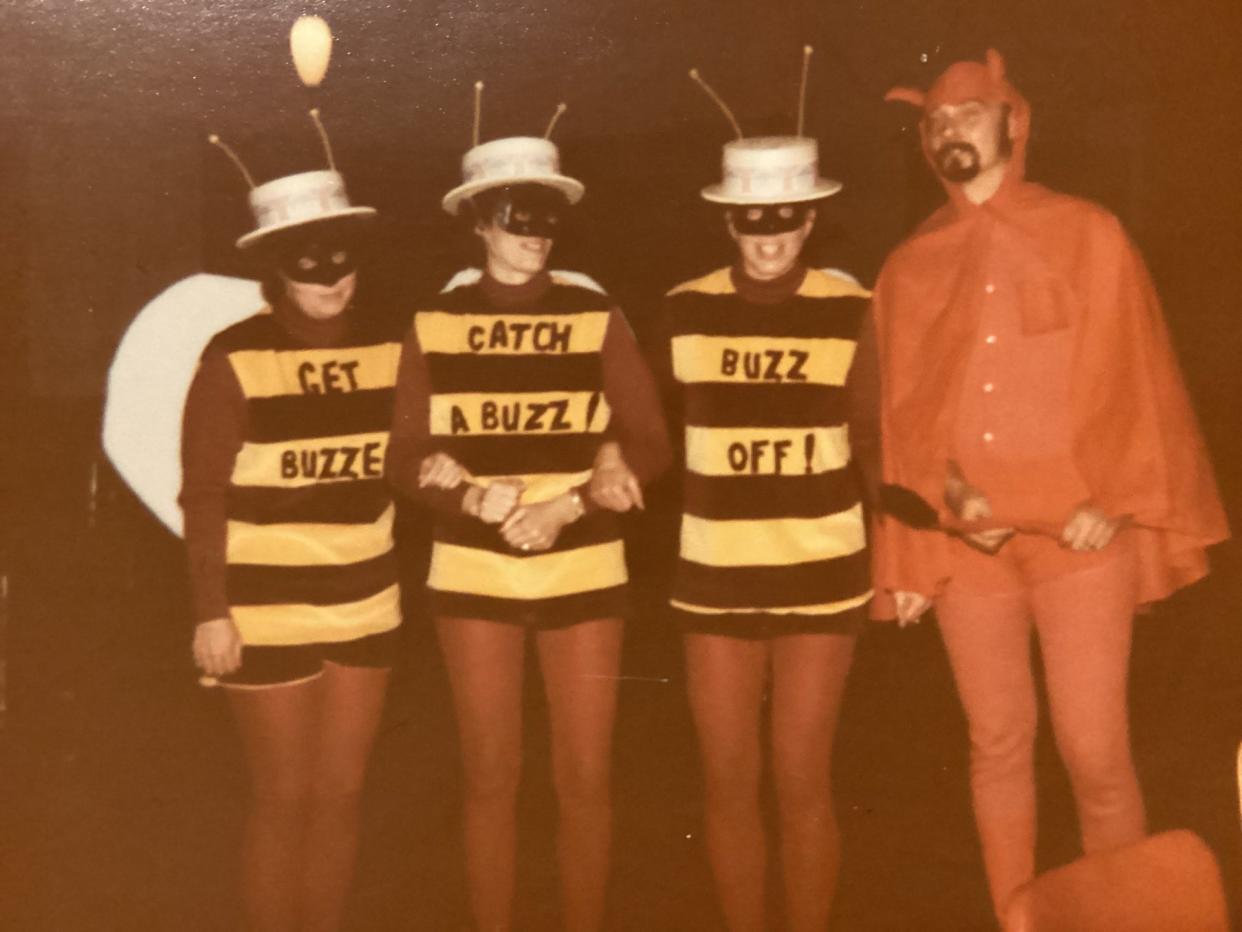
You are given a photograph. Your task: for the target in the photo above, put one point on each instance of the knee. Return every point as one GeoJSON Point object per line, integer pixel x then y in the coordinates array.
{"type": "Point", "coordinates": [1098, 765]}
{"type": "Point", "coordinates": [582, 784]}
{"type": "Point", "coordinates": [287, 800]}
{"type": "Point", "coordinates": [804, 793]}
{"type": "Point", "coordinates": [732, 788]}
{"type": "Point", "coordinates": [492, 774]}
{"type": "Point", "coordinates": [1003, 745]}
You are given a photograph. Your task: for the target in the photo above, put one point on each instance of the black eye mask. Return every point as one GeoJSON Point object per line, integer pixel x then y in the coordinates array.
{"type": "Point", "coordinates": [530, 210]}
{"type": "Point", "coordinates": [318, 263]}
{"type": "Point", "coordinates": [773, 218]}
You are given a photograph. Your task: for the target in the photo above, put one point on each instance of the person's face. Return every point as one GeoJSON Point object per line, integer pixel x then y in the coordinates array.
{"type": "Point", "coordinates": [766, 256]}
{"type": "Point", "coordinates": [511, 257]}
{"type": "Point", "coordinates": [967, 139]}
{"type": "Point", "coordinates": [321, 302]}
{"type": "Point", "coordinates": [319, 274]}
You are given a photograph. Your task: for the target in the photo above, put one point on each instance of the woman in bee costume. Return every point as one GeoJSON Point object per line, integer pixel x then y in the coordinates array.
{"type": "Point", "coordinates": [288, 525]}
{"type": "Point", "coordinates": [772, 579]}
{"type": "Point", "coordinates": [517, 381]}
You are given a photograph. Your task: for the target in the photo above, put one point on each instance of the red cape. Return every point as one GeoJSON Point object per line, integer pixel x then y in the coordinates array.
{"type": "Point", "coordinates": [1135, 439]}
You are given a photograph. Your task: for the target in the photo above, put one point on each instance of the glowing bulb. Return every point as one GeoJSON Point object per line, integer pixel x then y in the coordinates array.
{"type": "Point", "coordinates": [310, 40]}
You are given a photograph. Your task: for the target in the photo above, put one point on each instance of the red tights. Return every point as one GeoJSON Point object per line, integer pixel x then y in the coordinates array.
{"type": "Point", "coordinates": [1082, 607]}
{"type": "Point", "coordinates": [307, 745]}
{"type": "Point", "coordinates": [727, 678]}
{"type": "Point", "coordinates": [580, 664]}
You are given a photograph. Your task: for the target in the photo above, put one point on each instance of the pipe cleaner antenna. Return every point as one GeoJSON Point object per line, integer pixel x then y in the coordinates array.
{"type": "Point", "coordinates": [807, 51]}
{"type": "Point", "coordinates": [478, 111]}
{"type": "Point", "coordinates": [698, 79]}
{"type": "Point", "coordinates": [227, 149]}
{"type": "Point", "coordinates": [560, 108]}
{"type": "Point", "coordinates": [323, 137]}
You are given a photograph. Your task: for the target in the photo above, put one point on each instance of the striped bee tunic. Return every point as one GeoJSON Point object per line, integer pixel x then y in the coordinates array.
{"type": "Point", "coordinates": [525, 382]}
{"type": "Point", "coordinates": [288, 517]}
{"type": "Point", "coordinates": [772, 532]}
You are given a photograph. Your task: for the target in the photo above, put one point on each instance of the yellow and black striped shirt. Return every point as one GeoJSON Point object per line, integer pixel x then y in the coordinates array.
{"type": "Point", "coordinates": [309, 536]}
{"type": "Point", "coordinates": [516, 391]}
{"type": "Point", "coordinates": [772, 521]}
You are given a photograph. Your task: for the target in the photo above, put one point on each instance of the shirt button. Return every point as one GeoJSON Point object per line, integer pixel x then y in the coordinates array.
{"type": "Point", "coordinates": [988, 387]}
{"type": "Point", "coordinates": [988, 437]}
{"type": "Point", "coordinates": [990, 338]}
{"type": "Point", "coordinates": [989, 288]}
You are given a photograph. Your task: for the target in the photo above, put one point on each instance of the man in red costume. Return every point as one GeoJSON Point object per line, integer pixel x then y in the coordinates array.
{"type": "Point", "coordinates": [1031, 397]}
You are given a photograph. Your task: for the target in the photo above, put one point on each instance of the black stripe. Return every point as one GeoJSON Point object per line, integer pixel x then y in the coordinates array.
{"type": "Point", "coordinates": [731, 316]}
{"type": "Point", "coordinates": [559, 299]}
{"type": "Point", "coordinates": [250, 584]}
{"type": "Point", "coordinates": [264, 332]}
{"type": "Point", "coordinates": [741, 498]}
{"type": "Point", "coordinates": [721, 404]}
{"type": "Point", "coordinates": [738, 587]}
{"type": "Point", "coordinates": [299, 417]}
{"type": "Point", "coordinates": [598, 528]}
{"type": "Point", "coordinates": [537, 613]}
{"type": "Point", "coordinates": [523, 455]}
{"type": "Point", "coordinates": [543, 372]}
{"type": "Point", "coordinates": [360, 502]}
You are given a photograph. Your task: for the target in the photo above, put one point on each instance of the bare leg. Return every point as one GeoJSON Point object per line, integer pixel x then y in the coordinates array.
{"type": "Point", "coordinates": [484, 660]}
{"type": "Point", "coordinates": [809, 672]}
{"type": "Point", "coordinates": [580, 664]}
{"type": "Point", "coordinates": [351, 702]}
{"type": "Point", "coordinates": [277, 726]}
{"type": "Point", "coordinates": [725, 677]}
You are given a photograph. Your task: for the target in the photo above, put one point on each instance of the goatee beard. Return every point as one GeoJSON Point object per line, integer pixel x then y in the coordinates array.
{"type": "Point", "coordinates": [957, 162]}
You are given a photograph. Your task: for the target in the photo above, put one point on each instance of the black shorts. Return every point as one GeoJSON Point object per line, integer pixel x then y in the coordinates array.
{"type": "Point", "coordinates": [763, 625]}
{"type": "Point", "coordinates": [282, 664]}
{"type": "Point", "coordinates": [538, 614]}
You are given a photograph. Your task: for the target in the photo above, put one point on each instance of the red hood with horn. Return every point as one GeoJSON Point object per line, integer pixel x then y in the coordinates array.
{"type": "Point", "coordinates": [1068, 263]}
{"type": "Point", "coordinates": [970, 80]}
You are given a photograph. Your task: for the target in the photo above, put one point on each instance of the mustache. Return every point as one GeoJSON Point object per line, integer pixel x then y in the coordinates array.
{"type": "Point", "coordinates": [951, 148]}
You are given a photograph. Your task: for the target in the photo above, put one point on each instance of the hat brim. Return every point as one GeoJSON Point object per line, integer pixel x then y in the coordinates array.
{"type": "Point", "coordinates": [824, 187]}
{"type": "Point", "coordinates": [353, 215]}
{"type": "Point", "coordinates": [570, 187]}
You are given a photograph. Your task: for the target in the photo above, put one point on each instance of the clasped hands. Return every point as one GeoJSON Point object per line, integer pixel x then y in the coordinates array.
{"type": "Point", "coordinates": [535, 526]}
{"type": "Point", "coordinates": [1088, 528]}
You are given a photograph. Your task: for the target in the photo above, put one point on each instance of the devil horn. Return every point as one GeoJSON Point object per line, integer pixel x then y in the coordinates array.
{"type": "Point", "coordinates": [907, 95]}
{"type": "Point", "coordinates": [996, 65]}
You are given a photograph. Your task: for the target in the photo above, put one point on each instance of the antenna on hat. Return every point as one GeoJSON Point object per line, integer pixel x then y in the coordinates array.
{"type": "Point", "coordinates": [323, 137]}
{"type": "Point", "coordinates": [698, 79]}
{"type": "Point", "coordinates": [807, 51]}
{"type": "Point", "coordinates": [478, 111]}
{"type": "Point", "coordinates": [560, 108]}
{"type": "Point", "coordinates": [217, 141]}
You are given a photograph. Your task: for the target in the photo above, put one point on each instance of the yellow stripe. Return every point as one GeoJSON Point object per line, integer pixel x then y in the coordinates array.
{"type": "Point", "coordinates": [796, 360]}
{"type": "Point", "coordinates": [717, 282]}
{"type": "Point", "coordinates": [268, 373]}
{"type": "Point", "coordinates": [765, 451]}
{"type": "Point", "coordinates": [298, 544]}
{"type": "Point", "coordinates": [824, 608]}
{"type": "Point", "coordinates": [820, 283]}
{"type": "Point", "coordinates": [774, 541]}
{"type": "Point", "coordinates": [518, 413]}
{"type": "Point", "coordinates": [289, 465]}
{"type": "Point", "coordinates": [544, 576]}
{"type": "Point", "coordinates": [309, 624]}
{"type": "Point", "coordinates": [510, 334]}
{"type": "Point", "coordinates": [541, 487]}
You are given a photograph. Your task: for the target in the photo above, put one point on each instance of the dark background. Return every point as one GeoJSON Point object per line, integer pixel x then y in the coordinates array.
{"type": "Point", "coordinates": [122, 783]}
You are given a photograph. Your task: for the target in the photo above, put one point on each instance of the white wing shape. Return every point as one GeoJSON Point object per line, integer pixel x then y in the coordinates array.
{"type": "Point", "coordinates": [150, 378]}
{"type": "Point", "coordinates": [467, 277]}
